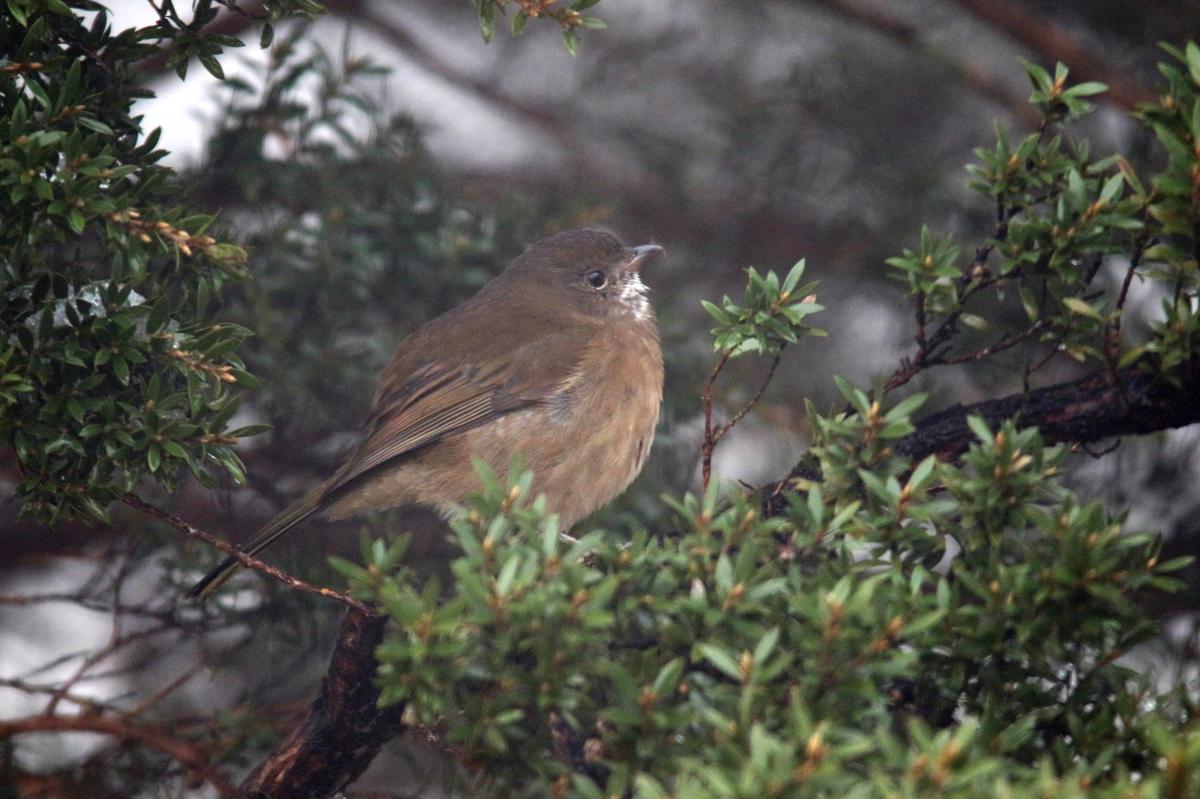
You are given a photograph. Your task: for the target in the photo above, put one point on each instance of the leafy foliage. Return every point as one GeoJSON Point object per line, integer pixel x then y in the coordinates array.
{"type": "Point", "coordinates": [355, 238]}
{"type": "Point", "coordinates": [113, 369]}
{"type": "Point", "coordinates": [1064, 218]}
{"type": "Point", "coordinates": [771, 318]}
{"type": "Point", "coordinates": [838, 648]}
{"type": "Point", "coordinates": [569, 17]}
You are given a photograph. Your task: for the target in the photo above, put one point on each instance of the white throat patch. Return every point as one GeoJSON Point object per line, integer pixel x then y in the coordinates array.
{"type": "Point", "coordinates": [633, 296]}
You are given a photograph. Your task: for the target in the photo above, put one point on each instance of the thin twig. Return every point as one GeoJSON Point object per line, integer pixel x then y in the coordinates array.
{"type": "Point", "coordinates": [115, 642]}
{"type": "Point", "coordinates": [17, 684]}
{"type": "Point", "coordinates": [164, 692]}
{"type": "Point", "coordinates": [189, 755]}
{"type": "Point", "coordinates": [762, 388]}
{"type": "Point", "coordinates": [706, 397]}
{"type": "Point", "coordinates": [713, 435]}
{"type": "Point", "coordinates": [1004, 343]}
{"type": "Point", "coordinates": [248, 561]}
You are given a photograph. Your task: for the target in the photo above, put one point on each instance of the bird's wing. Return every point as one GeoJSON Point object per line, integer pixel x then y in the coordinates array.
{"type": "Point", "coordinates": [439, 398]}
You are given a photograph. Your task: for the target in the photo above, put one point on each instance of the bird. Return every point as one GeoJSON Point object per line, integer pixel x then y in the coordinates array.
{"type": "Point", "coordinates": [557, 360]}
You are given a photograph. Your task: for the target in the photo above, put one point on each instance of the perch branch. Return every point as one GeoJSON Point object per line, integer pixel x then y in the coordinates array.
{"type": "Point", "coordinates": [1099, 406]}
{"type": "Point", "coordinates": [344, 729]}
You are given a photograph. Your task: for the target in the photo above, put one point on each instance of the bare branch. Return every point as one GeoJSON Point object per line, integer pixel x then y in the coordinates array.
{"type": "Point", "coordinates": [250, 562]}
{"type": "Point", "coordinates": [193, 757]}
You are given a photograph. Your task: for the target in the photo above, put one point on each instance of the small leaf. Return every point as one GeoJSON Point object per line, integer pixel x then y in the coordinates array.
{"type": "Point", "coordinates": [91, 123]}
{"type": "Point", "coordinates": [487, 19]}
{"type": "Point", "coordinates": [210, 63]}
{"type": "Point", "coordinates": [571, 42]}
{"type": "Point", "coordinates": [721, 658]}
{"type": "Point", "coordinates": [1082, 307]}
{"type": "Point", "coordinates": [766, 645]}
{"type": "Point", "coordinates": [668, 678]}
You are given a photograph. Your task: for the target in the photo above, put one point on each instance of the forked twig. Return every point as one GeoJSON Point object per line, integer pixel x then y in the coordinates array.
{"type": "Point", "coordinates": [713, 434]}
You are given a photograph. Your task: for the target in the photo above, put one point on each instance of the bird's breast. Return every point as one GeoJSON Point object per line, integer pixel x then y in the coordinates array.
{"type": "Point", "coordinates": [590, 438]}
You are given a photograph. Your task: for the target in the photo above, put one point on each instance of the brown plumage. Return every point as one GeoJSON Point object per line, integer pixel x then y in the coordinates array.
{"type": "Point", "coordinates": [557, 359]}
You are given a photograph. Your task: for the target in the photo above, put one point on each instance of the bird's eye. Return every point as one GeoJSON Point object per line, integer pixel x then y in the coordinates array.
{"type": "Point", "coordinates": [597, 279]}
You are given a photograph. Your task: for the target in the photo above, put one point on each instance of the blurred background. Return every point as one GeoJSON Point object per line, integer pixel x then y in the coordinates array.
{"type": "Point", "coordinates": [385, 162]}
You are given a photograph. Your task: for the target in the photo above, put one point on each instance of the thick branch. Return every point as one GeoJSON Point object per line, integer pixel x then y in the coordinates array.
{"type": "Point", "coordinates": [1100, 406]}
{"type": "Point", "coordinates": [344, 728]}
{"type": "Point", "coordinates": [1092, 409]}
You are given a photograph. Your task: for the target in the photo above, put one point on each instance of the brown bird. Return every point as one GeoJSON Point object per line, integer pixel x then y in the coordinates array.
{"type": "Point", "coordinates": [556, 359]}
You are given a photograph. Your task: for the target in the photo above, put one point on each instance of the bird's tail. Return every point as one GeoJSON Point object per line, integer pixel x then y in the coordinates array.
{"type": "Point", "coordinates": [298, 511]}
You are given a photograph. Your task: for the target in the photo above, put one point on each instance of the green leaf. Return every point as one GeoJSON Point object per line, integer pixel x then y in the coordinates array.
{"type": "Point", "coordinates": [716, 312]}
{"type": "Point", "coordinates": [17, 9]}
{"type": "Point", "coordinates": [1086, 89]}
{"type": "Point", "coordinates": [508, 573]}
{"type": "Point", "coordinates": [1112, 186]}
{"type": "Point", "coordinates": [857, 399]}
{"type": "Point", "coordinates": [721, 659]}
{"type": "Point", "coordinates": [980, 428]}
{"type": "Point", "coordinates": [765, 646]}
{"type": "Point", "coordinates": [1192, 57]}
{"type": "Point", "coordinates": [91, 123]}
{"type": "Point", "coordinates": [668, 678]}
{"type": "Point", "coordinates": [1082, 307]}
{"type": "Point", "coordinates": [906, 407]}
{"type": "Point", "coordinates": [487, 19]}
{"type": "Point", "coordinates": [210, 63]}
{"type": "Point", "coordinates": [571, 42]}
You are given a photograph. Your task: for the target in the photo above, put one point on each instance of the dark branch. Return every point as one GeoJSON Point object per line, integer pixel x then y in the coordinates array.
{"type": "Point", "coordinates": [344, 729]}
{"type": "Point", "coordinates": [1097, 407]}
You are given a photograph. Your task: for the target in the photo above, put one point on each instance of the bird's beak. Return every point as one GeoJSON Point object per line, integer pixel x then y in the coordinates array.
{"type": "Point", "coordinates": [637, 257]}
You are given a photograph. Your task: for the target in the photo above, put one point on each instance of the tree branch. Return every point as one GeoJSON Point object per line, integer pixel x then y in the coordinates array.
{"type": "Point", "coordinates": [344, 729]}
{"type": "Point", "coordinates": [1100, 406]}
{"type": "Point", "coordinates": [191, 756]}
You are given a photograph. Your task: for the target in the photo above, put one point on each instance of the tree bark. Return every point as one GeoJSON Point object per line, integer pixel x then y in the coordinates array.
{"type": "Point", "coordinates": [344, 729]}
{"type": "Point", "coordinates": [1100, 406]}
